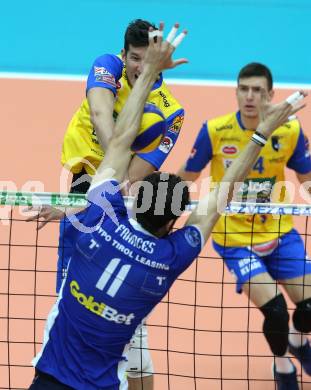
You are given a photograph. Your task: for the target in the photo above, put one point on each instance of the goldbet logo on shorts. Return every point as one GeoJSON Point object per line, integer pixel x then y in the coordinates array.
{"type": "Point", "coordinates": [229, 149]}
{"type": "Point", "coordinates": [99, 308]}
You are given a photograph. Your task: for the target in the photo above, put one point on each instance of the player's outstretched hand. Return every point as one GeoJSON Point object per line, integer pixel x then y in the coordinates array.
{"type": "Point", "coordinates": [273, 116]}
{"type": "Point", "coordinates": [159, 52]}
{"type": "Point", "coordinates": [44, 215]}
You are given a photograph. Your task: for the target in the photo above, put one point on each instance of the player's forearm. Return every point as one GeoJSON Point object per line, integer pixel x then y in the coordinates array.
{"type": "Point", "coordinates": [104, 128]}
{"type": "Point", "coordinates": [129, 119]}
{"type": "Point", "coordinates": [101, 102]}
{"type": "Point", "coordinates": [104, 124]}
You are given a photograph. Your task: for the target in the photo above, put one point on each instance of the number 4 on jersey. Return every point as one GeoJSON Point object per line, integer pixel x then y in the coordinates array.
{"type": "Point", "coordinates": [259, 165]}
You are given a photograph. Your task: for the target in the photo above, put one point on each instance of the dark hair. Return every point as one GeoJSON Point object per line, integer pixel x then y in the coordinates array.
{"type": "Point", "coordinates": [255, 69]}
{"type": "Point", "coordinates": [162, 197]}
{"type": "Point", "coordinates": [136, 34]}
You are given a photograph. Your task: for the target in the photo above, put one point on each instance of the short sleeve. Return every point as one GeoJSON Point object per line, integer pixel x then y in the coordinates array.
{"type": "Point", "coordinates": [105, 73]}
{"type": "Point", "coordinates": [188, 243]}
{"type": "Point", "coordinates": [300, 160]}
{"type": "Point", "coordinates": [201, 152]}
{"type": "Point", "coordinates": [159, 155]}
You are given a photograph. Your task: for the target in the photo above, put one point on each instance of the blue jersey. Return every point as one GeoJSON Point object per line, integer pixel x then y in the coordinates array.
{"type": "Point", "coordinates": [118, 272]}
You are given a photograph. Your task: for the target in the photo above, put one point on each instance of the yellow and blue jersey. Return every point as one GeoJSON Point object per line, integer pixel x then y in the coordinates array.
{"type": "Point", "coordinates": [118, 272]}
{"type": "Point", "coordinates": [81, 148]}
{"type": "Point", "coordinates": [220, 141]}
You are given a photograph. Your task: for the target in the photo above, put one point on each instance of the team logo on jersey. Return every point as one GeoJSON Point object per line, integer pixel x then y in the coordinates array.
{"type": "Point", "coordinates": [99, 308]}
{"type": "Point", "coordinates": [176, 125]}
{"type": "Point", "coordinates": [229, 149]}
{"type": "Point", "coordinates": [192, 236]}
{"type": "Point", "coordinates": [275, 143]}
{"type": "Point", "coordinates": [166, 145]}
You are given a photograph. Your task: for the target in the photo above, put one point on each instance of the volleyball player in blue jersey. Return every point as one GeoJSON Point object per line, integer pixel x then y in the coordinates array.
{"type": "Point", "coordinates": [109, 83]}
{"type": "Point", "coordinates": [121, 267]}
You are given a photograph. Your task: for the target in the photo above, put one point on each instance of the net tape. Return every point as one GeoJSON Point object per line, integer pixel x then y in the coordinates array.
{"type": "Point", "coordinates": [79, 200]}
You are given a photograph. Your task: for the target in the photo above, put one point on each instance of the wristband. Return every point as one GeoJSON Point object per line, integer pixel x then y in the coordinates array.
{"type": "Point", "coordinates": [259, 139]}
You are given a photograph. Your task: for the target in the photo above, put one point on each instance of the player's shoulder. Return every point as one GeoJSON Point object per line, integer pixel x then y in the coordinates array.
{"type": "Point", "coordinates": [108, 62]}
{"type": "Point", "coordinates": [222, 123]}
{"type": "Point", "coordinates": [289, 130]}
{"type": "Point", "coordinates": [187, 236]}
{"type": "Point", "coordinates": [290, 126]}
{"type": "Point", "coordinates": [109, 57]}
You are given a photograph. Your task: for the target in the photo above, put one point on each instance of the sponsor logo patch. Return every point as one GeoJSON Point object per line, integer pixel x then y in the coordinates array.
{"type": "Point", "coordinates": [99, 308]}
{"type": "Point", "coordinates": [107, 79]}
{"type": "Point", "coordinates": [229, 149]}
{"type": "Point", "coordinates": [164, 98]}
{"type": "Point", "coordinates": [226, 127]}
{"type": "Point", "coordinates": [100, 71]}
{"type": "Point", "coordinates": [166, 145]}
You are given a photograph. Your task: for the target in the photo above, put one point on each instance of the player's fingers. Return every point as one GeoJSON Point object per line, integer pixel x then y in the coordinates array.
{"type": "Point", "coordinates": [297, 108]}
{"type": "Point", "coordinates": [177, 41]}
{"type": "Point", "coordinates": [151, 36]}
{"type": "Point", "coordinates": [296, 97]}
{"type": "Point", "coordinates": [41, 224]}
{"type": "Point", "coordinates": [32, 209]}
{"type": "Point", "coordinates": [160, 32]}
{"type": "Point", "coordinates": [180, 61]}
{"type": "Point", "coordinates": [263, 96]}
{"type": "Point", "coordinates": [172, 33]}
{"type": "Point", "coordinates": [32, 218]}
{"type": "Point", "coordinates": [264, 103]}
{"type": "Point", "coordinates": [155, 37]}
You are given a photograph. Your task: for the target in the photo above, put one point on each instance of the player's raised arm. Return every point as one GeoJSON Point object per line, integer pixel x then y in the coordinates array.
{"type": "Point", "coordinates": [158, 57]}
{"type": "Point", "coordinates": [209, 208]}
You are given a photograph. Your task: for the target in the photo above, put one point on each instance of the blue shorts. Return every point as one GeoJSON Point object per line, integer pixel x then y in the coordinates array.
{"type": "Point", "coordinates": [288, 260]}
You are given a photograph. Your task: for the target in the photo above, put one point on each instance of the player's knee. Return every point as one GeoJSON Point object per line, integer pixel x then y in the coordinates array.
{"type": "Point", "coordinates": [275, 325]}
{"type": "Point", "coordinates": [302, 316]}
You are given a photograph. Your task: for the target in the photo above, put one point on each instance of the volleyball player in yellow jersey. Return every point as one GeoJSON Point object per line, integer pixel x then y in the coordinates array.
{"type": "Point", "coordinates": [261, 250]}
{"type": "Point", "coordinates": [108, 86]}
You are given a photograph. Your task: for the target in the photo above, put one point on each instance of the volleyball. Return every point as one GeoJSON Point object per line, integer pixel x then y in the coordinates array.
{"type": "Point", "coordinates": [152, 130]}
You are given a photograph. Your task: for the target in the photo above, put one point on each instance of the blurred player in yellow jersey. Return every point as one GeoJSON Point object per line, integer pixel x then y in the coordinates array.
{"type": "Point", "coordinates": [108, 86]}
{"type": "Point", "coordinates": [263, 250]}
